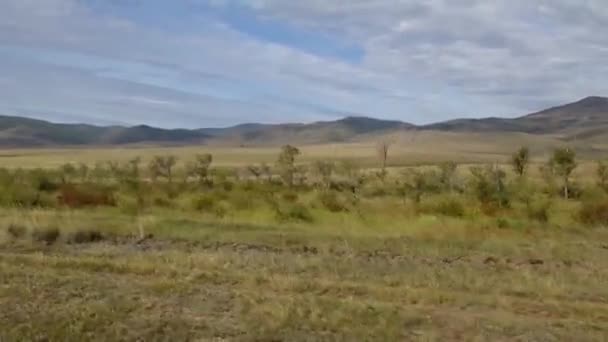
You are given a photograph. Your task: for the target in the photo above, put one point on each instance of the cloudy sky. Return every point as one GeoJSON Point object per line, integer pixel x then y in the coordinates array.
{"type": "Point", "coordinates": [203, 63]}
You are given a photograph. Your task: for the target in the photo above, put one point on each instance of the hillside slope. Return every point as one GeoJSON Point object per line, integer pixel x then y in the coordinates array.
{"type": "Point", "coordinates": [25, 132]}
{"type": "Point", "coordinates": [584, 120]}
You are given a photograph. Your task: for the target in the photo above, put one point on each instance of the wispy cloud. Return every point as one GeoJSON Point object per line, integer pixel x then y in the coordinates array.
{"type": "Point", "coordinates": [219, 62]}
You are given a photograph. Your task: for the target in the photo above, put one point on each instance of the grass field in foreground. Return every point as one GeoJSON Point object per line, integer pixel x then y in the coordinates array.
{"type": "Point", "coordinates": [198, 280]}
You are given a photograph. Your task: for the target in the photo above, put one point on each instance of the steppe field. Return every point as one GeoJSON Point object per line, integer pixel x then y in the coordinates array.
{"type": "Point", "coordinates": [318, 243]}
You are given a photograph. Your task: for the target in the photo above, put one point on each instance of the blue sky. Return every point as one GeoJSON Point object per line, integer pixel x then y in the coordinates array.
{"type": "Point", "coordinates": [208, 63]}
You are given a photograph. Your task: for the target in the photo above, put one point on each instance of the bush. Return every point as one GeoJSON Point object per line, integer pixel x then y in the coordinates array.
{"type": "Point", "coordinates": [594, 212]}
{"type": "Point", "coordinates": [83, 196]}
{"type": "Point", "coordinates": [293, 212]}
{"type": "Point", "coordinates": [291, 196]}
{"type": "Point", "coordinates": [16, 231]}
{"type": "Point", "coordinates": [537, 208]}
{"type": "Point", "coordinates": [46, 235]}
{"type": "Point", "coordinates": [451, 206]}
{"type": "Point", "coordinates": [85, 236]}
{"type": "Point", "coordinates": [163, 202]}
{"type": "Point", "coordinates": [242, 200]}
{"type": "Point", "coordinates": [203, 203]}
{"type": "Point", "coordinates": [331, 201]}
{"type": "Point", "coordinates": [19, 195]}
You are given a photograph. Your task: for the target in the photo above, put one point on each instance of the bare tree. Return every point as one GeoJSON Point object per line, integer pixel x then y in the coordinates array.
{"type": "Point", "coordinates": [602, 175]}
{"type": "Point", "coordinates": [383, 149]}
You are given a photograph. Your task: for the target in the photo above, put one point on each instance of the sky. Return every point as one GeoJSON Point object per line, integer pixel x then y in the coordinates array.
{"type": "Point", "coordinates": [214, 63]}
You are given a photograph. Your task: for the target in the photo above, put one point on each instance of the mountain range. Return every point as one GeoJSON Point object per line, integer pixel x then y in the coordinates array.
{"type": "Point", "coordinates": [583, 120]}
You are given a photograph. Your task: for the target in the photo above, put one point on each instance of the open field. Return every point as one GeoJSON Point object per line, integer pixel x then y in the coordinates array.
{"type": "Point", "coordinates": [136, 252]}
{"type": "Point", "coordinates": [407, 148]}
{"type": "Point", "coordinates": [430, 280]}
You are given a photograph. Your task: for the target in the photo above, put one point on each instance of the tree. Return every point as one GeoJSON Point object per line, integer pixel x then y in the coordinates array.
{"type": "Point", "coordinates": [447, 175]}
{"type": "Point", "coordinates": [267, 171]}
{"type": "Point", "coordinates": [162, 166]}
{"type": "Point", "coordinates": [520, 161]}
{"type": "Point", "coordinates": [489, 186]}
{"type": "Point", "coordinates": [324, 170]}
{"type": "Point", "coordinates": [602, 175]}
{"type": "Point", "coordinates": [286, 163]}
{"type": "Point", "coordinates": [382, 149]}
{"type": "Point", "coordinates": [417, 183]}
{"type": "Point", "coordinates": [255, 171]}
{"type": "Point", "coordinates": [67, 172]}
{"type": "Point", "coordinates": [200, 167]}
{"type": "Point", "coordinates": [564, 162]}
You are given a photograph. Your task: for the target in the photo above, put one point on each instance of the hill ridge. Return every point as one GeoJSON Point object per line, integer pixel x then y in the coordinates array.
{"type": "Point", "coordinates": [585, 118]}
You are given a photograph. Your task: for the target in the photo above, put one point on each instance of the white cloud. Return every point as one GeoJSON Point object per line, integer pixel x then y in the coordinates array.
{"type": "Point", "coordinates": [423, 60]}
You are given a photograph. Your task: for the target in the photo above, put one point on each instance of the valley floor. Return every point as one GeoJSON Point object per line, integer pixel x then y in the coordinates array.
{"type": "Point", "coordinates": [250, 283]}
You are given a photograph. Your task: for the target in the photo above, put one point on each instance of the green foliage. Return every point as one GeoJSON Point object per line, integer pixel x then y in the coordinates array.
{"type": "Point", "coordinates": [324, 171]}
{"type": "Point", "coordinates": [564, 163]}
{"type": "Point", "coordinates": [46, 235]}
{"type": "Point", "coordinates": [203, 203]}
{"type": "Point", "coordinates": [415, 183]}
{"type": "Point", "coordinates": [538, 208]}
{"type": "Point", "coordinates": [594, 208]}
{"type": "Point", "coordinates": [520, 161]}
{"type": "Point", "coordinates": [447, 176]}
{"type": "Point", "coordinates": [445, 205]}
{"type": "Point", "coordinates": [296, 212]}
{"type": "Point", "coordinates": [488, 185]}
{"type": "Point", "coordinates": [286, 164]}
{"type": "Point", "coordinates": [162, 167]}
{"type": "Point", "coordinates": [331, 201]}
{"type": "Point", "coordinates": [199, 168]}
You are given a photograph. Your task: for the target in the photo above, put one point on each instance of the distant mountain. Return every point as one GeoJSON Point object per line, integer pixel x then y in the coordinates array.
{"type": "Point", "coordinates": [341, 130]}
{"type": "Point", "coordinates": [25, 132]}
{"type": "Point", "coordinates": [581, 120]}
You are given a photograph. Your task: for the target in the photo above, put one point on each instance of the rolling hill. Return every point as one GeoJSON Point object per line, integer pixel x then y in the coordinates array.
{"type": "Point", "coordinates": [25, 132]}
{"type": "Point", "coordinates": [583, 120]}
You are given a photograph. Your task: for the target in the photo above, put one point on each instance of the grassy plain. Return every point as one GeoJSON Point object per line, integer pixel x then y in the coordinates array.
{"type": "Point", "coordinates": [382, 273]}
{"type": "Point", "coordinates": [428, 279]}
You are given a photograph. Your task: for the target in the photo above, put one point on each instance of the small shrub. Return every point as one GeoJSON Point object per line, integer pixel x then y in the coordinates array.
{"type": "Point", "coordinates": [451, 206]}
{"type": "Point", "coordinates": [490, 208]}
{"type": "Point", "coordinates": [242, 200]}
{"type": "Point", "coordinates": [503, 223]}
{"type": "Point", "coordinates": [16, 231]}
{"type": "Point", "coordinates": [537, 209]}
{"type": "Point", "coordinates": [594, 212]}
{"type": "Point", "coordinates": [163, 202]}
{"type": "Point", "coordinates": [220, 210]}
{"type": "Point", "coordinates": [203, 203]}
{"type": "Point", "coordinates": [85, 236]}
{"type": "Point", "coordinates": [509, 223]}
{"type": "Point", "coordinates": [331, 201]}
{"type": "Point", "coordinates": [294, 212]}
{"type": "Point", "coordinates": [47, 235]}
{"type": "Point", "coordinates": [78, 197]}
{"type": "Point", "coordinates": [291, 196]}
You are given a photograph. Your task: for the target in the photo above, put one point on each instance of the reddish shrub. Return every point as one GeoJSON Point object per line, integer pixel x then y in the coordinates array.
{"type": "Point", "coordinates": [78, 197]}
